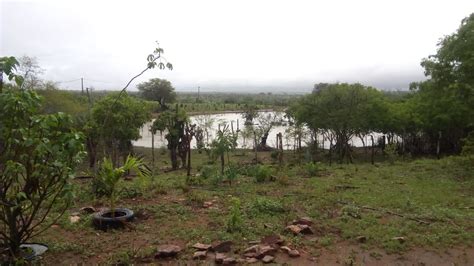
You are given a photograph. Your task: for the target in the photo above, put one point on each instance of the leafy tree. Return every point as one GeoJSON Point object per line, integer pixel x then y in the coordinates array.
{"type": "Point", "coordinates": [224, 142]}
{"type": "Point", "coordinates": [159, 90]}
{"type": "Point", "coordinates": [173, 122]}
{"type": "Point", "coordinates": [249, 113]}
{"type": "Point", "coordinates": [125, 116]}
{"type": "Point", "coordinates": [444, 102]}
{"type": "Point", "coordinates": [30, 70]}
{"type": "Point", "coordinates": [265, 123]}
{"type": "Point", "coordinates": [344, 109]}
{"type": "Point", "coordinates": [8, 66]}
{"type": "Point", "coordinates": [38, 154]}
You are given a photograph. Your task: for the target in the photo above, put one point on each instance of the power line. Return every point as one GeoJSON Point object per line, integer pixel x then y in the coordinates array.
{"type": "Point", "coordinates": [67, 81]}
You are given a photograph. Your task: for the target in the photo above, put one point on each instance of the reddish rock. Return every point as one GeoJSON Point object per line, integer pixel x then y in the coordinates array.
{"type": "Point", "coordinates": [164, 251]}
{"type": "Point", "coordinates": [285, 249]}
{"type": "Point", "coordinates": [224, 246]}
{"type": "Point", "coordinates": [361, 239]}
{"type": "Point", "coordinates": [252, 249]}
{"type": "Point", "coordinates": [294, 253]}
{"type": "Point", "coordinates": [200, 246]}
{"type": "Point", "coordinates": [268, 259]}
{"type": "Point", "coordinates": [295, 229]}
{"type": "Point", "coordinates": [272, 240]}
{"type": "Point", "coordinates": [305, 229]}
{"type": "Point", "coordinates": [220, 258]}
{"type": "Point", "coordinates": [251, 260]}
{"type": "Point", "coordinates": [229, 261]}
{"type": "Point", "coordinates": [199, 255]}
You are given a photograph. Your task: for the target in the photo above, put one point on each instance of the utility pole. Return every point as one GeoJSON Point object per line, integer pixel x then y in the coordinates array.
{"type": "Point", "coordinates": [199, 91]}
{"type": "Point", "coordinates": [82, 86]}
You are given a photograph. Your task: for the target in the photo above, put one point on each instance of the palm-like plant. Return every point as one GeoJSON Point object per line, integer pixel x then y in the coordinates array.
{"type": "Point", "coordinates": [109, 177]}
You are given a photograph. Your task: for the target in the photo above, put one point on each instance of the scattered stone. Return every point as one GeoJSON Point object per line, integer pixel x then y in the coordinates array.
{"type": "Point", "coordinates": [207, 204]}
{"type": "Point", "coordinates": [303, 220]}
{"type": "Point", "coordinates": [142, 214]}
{"type": "Point", "coordinates": [200, 246]}
{"type": "Point", "coordinates": [361, 239]}
{"type": "Point", "coordinates": [74, 219]}
{"type": "Point", "coordinates": [400, 239]}
{"type": "Point", "coordinates": [199, 255]}
{"type": "Point", "coordinates": [300, 228]}
{"type": "Point", "coordinates": [251, 255]}
{"type": "Point", "coordinates": [54, 226]}
{"type": "Point", "coordinates": [229, 260]}
{"type": "Point", "coordinates": [164, 251]}
{"type": "Point", "coordinates": [285, 249]}
{"type": "Point", "coordinates": [220, 258]}
{"type": "Point", "coordinates": [254, 242]}
{"type": "Point", "coordinates": [252, 260]}
{"type": "Point", "coordinates": [294, 229]}
{"type": "Point", "coordinates": [272, 240]}
{"type": "Point", "coordinates": [88, 210]}
{"type": "Point", "coordinates": [265, 251]}
{"type": "Point", "coordinates": [294, 253]}
{"type": "Point", "coordinates": [224, 246]}
{"type": "Point", "coordinates": [252, 249]}
{"type": "Point", "coordinates": [268, 259]}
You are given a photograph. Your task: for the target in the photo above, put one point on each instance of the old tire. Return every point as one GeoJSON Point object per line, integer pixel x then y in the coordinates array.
{"type": "Point", "coordinates": [115, 218]}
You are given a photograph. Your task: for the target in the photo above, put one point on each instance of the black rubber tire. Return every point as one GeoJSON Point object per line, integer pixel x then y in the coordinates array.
{"type": "Point", "coordinates": [102, 221]}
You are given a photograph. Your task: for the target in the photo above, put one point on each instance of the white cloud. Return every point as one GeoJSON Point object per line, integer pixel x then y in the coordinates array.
{"type": "Point", "coordinates": [231, 44]}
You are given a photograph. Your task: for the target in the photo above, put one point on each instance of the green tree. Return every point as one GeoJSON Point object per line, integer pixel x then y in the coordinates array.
{"type": "Point", "coordinates": [124, 117]}
{"type": "Point", "coordinates": [172, 121]}
{"type": "Point", "coordinates": [224, 142]}
{"type": "Point", "coordinates": [38, 155]}
{"type": "Point", "coordinates": [345, 110]}
{"type": "Point", "coordinates": [159, 90]}
{"type": "Point", "coordinates": [445, 101]}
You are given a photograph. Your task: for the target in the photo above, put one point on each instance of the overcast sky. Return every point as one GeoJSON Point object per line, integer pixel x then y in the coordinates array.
{"type": "Point", "coordinates": [235, 45]}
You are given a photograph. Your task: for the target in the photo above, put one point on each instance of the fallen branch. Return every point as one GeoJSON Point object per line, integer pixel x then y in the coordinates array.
{"type": "Point", "coordinates": [385, 211]}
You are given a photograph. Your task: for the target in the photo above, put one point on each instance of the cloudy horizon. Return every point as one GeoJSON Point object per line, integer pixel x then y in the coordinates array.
{"type": "Point", "coordinates": [278, 46]}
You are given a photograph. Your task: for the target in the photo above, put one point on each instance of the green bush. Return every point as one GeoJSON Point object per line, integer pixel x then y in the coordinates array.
{"type": "Point", "coordinates": [208, 171]}
{"type": "Point", "coordinates": [312, 169]}
{"type": "Point", "coordinates": [263, 205]}
{"type": "Point", "coordinates": [262, 173]}
{"type": "Point", "coordinates": [235, 221]}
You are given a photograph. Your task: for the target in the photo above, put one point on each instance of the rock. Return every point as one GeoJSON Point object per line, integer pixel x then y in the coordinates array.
{"type": "Point", "coordinates": [200, 246]}
{"type": "Point", "coordinates": [303, 220]}
{"type": "Point", "coordinates": [294, 253]}
{"type": "Point", "coordinates": [294, 229]}
{"type": "Point", "coordinates": [251, 255]}
{"type": "Point", "coordinates": [251, 260]}
{"type": "Point", "coordinates": [164, 251]}
{"type": "Point", "coordinates": [229, 260]}
{"type": "Point", "coordinates": [219, 258]}
{"type": "Point", "coordinates": [224, 246]}
{"type": "Point", "coordinates": [272, 240]}
{"type": "Point", "coordinates": [207, 204]}
{"type": "Point", "coordinates": [268, 259]}
{"type": "Point", "coordinates": [361, 239]}
{"type": "Point", "coordinates": [252, 249]}
{"type": "Point", "coordinates": [88, 210]}
{"type": "Point", "coordinates": [74, 219]}
{"type": "Point", "coordinates": [285, 249]}
{"type": "Point", "coordinates": [400, 239]}
{"type": "Point", "coordinates": [142, 214]}
{"type": "Point", "coordinates": [300, 228]}
{"type": "Point", "coordinates": [265, 251]}
{"type": "Point", "coordinates": [199, 255]}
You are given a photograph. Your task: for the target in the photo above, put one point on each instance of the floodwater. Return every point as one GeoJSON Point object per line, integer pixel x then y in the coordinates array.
{"type": "Point", "coordinates": [235, 121]}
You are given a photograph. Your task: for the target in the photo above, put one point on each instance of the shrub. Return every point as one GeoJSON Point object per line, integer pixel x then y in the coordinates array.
{"type": "Point", "coordinates": [38, 155]}
{"type": "Point", "coordinates": [263, 205]}
{"type": "Point", "coordinates": [235, 221]}
{"type": "Point", "coordinates": [231, 173]}
{"type": "Point", "coordinates": [208, 171]}
{"type": "Point", "coordinates": [312, 169]}
{"type": "Point", "coordinates": [262, 173]}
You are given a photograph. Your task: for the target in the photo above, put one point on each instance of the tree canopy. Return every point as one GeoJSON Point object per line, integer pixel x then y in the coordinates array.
{"type": "Point", "coordinates": [160, 90]}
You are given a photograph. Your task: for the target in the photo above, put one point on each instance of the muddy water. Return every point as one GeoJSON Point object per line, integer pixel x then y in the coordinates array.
{"type": "Point", "coordinates": [237, 122]}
